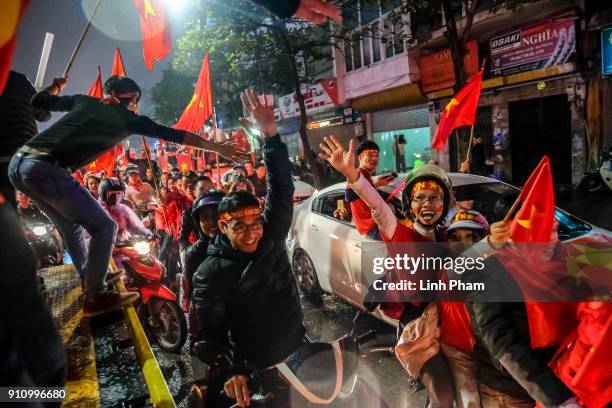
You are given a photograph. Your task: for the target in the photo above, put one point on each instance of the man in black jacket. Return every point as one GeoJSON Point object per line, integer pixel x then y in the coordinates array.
{"type": "Point", "coordinates": [245, 293]}
{"type": "Point", "coordinates": [42, 169]}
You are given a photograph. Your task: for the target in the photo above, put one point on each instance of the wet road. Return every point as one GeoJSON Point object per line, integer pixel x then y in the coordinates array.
{"type": "Point", "coordinates": [121, 381]}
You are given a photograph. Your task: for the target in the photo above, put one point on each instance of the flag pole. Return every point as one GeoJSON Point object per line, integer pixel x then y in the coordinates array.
{"type": "Point", "coordinates": [161, 202]}
{"type": "Point", "coordinates": [80, 42]}
{"type": "Point", "coordinates": [214, 126]}
{"type": "Point", "coordinates": [467, 157]}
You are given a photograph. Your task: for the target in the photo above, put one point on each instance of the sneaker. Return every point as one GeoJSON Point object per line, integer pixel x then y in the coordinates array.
{"type": "Point", "coordinates": [113, 276]}
{"type": "Point", "coordinates": [107, 302]}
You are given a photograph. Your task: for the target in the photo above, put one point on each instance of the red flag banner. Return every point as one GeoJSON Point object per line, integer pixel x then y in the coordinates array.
{"type": "Point", "coordinates": [460, 111]}
{"type": "Point", "coordinates": [12, 12]}
{"type": "Point", "coordinates": [156, 42]}
{"type": "Point", "coordinates": [200, 108]}
{"type": "Point", "coordinates": [534, 220]}
{"type": "Point", "coordinates": [118, 68]}
{"type": "Point", "coordinates": [96, 88]}
{"type": "Point", "coordinates": [184, 161]}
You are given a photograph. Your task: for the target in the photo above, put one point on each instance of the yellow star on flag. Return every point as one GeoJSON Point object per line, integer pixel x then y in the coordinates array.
{"type": "Point", "coordinates": [184, 166]}
{"type": "Point", "coordinates": [453, 102]}
{"type": "Point", "coordinates": [193, 99]}
{"type": "Point", "coordinates": [149, 10]}
{"type": "Point", "coordinates": [526, 223]}
{"type": "Point", "coordinates": [588, 256]}
{"type": "Point", "coordinates": [92, 165]}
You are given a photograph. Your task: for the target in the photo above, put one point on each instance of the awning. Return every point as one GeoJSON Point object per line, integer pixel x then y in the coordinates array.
{"type": "Point", "coordinates": [402, 96]}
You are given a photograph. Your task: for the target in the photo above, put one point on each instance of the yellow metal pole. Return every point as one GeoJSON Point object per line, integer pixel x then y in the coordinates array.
{"type": "Point", "coordinates": [156, 383]}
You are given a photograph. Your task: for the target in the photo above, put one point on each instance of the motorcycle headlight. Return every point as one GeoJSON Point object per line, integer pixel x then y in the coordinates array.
{"type": "Point", "coordinates": [142, 247]}
{"type": "Point", "coordinates": [39, 230]}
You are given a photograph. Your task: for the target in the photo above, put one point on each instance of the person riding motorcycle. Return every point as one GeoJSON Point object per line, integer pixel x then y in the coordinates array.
{"type": "Point", "coordinates": [112, 192]}
{"type": "Point", "coordinates": [137, 191]}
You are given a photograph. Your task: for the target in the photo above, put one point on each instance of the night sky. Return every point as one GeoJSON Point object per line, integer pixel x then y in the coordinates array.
{"type": "Point", "coordinates": [115, 25]}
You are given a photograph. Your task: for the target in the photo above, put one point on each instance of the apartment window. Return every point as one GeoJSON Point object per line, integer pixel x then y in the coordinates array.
{"type": "Point", "coordinates": [356, 46]}
{"type": "Point", "coordinates": [369, 10]}
{"type": "Point", "coordinates": [384, 39]}
{"type": "Point", "coordinates": [348, 56]}
{"type": "Point", "coordinates": [376, 41]}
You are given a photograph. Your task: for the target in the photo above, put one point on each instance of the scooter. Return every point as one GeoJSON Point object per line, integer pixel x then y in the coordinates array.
{"type": "Point", "coordinates": [158, 308]}
{"type": "Point", "coordinates": [46, 241]}
{"type": "Point", "coordinates": [316, 375]}
{"type": "Point", "coordinates": [598, 180]}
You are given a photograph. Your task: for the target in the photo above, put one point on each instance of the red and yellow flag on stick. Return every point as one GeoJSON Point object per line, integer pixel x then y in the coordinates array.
{"type": "Point", "coordinates": [460, 111]}
{"type": "Point", "coordinates": [200, 107]}
{"type": "Point", "coordinates": [97, 89]}
{"type": "Point", "coordinates": [12, 12]}
{"type": "Point", "coordinates": [156, 42]}
{"type": "Point", "coordinates": [118, 68]}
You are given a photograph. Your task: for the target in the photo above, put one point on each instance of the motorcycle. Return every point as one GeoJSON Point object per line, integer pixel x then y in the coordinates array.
{"type": "Point", "coordinates": [46, 241]}
{"type": "Point", "coordinates": [313, 376]}
{"type": "Point", "coordinates": [598, 180]}
{"type": "Point", "coordinates": [158, 308]}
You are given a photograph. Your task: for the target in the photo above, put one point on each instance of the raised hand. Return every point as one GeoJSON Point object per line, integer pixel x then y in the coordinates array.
{"type": "Point", "coordinates": [261, 111]}
{"type": "Point", "coordinates": [341, 159]}
{"type": "Point", "coordinates": [317, 11]}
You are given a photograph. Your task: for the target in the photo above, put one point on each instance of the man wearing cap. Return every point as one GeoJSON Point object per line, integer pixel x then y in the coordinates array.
{"type": "Point", "coordinates": [138, 192]}
{"type": "Point", "coordinates": [245, 292]}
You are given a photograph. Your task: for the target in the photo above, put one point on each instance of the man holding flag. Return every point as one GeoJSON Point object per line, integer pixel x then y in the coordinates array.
{"type": "Point", "coordinates": [41, 168]}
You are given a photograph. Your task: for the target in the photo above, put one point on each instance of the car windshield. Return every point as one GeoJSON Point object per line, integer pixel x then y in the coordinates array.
{"type": "Point", "coordinates": [494, 200]}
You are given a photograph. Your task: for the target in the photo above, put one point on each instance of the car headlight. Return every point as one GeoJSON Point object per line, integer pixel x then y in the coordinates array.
{"type": "Point", "coordinates": [142, 247]}
{"type": "Point", "coordinates": [39, 230]}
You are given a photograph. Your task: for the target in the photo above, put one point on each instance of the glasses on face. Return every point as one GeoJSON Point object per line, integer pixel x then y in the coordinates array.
{"type": "Point", "coordinates": [240, 228]}
{"type": "Point", "coordinates": [420, 199]}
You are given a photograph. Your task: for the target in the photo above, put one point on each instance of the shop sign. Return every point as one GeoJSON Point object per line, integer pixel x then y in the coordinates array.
{"type": "Point", "coordinates": [537, 47]}
{"type": "Point", "coordinates": [322, 95]}
{"type": "Point", "coordinates": [437, 70]}
{"type": "Point", "coordinates": [606, 51]}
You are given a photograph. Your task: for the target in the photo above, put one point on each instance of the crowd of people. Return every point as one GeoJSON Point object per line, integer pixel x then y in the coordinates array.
{"type": "Point", "coordinates": [229, 236]}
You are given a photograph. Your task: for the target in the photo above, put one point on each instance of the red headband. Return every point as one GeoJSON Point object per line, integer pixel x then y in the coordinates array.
{"type": "Point", "coordinates": [243, 212]}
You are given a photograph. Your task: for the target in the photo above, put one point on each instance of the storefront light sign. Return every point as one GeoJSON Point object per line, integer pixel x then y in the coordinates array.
{"type": "Point", "coordinates": [338, 120]}
{"type": "Point", "coordinates": [541, 46]}
{"type": "Point", "coordinates": [606, 51]}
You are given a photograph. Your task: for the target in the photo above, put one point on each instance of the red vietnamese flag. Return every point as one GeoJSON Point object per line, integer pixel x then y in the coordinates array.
{"type": "Point", "coordinates": [460, 111]}
{"type": "Point", "coordinates": [534, 220]}
{"type": "Point", "coordinates": [118, 68]}
{"type": "Point", "coordinates": [200, 108]}
{"type": "Point", "coordinates": [96, 88]}
{"type": "Point", "coordinates": [184, 161]}
{"type": "Point", "coordinates": [548, 321]}
{"type": "Point", "coordinates": [156, 42]}
{"type": "Point", "coordinates": [12, 12]}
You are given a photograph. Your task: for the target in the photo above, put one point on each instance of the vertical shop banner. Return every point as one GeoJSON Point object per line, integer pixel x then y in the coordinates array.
{"type": "Point", "coordinates": [606, 51]}
{"type": "Point", "coordinates": [321, 95]}
{"type": "Point", "coordinates": [437, 70]}
{"type": "Point", "coordinates": [537, 47]}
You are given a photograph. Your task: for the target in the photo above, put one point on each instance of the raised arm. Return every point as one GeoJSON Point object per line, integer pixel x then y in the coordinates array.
{"type": "Point", "coordinates": [344, 161]}
{"type": "Point", "coordinates": [142, 125]}
{"type": "Point", "coordinates": [278, 211]}
{"type": "Point", "coordinates": [48, 98]}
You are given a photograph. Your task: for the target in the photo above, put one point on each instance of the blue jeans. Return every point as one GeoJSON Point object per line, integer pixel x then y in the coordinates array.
{"type": "Point", "coordinates": [74, 210]}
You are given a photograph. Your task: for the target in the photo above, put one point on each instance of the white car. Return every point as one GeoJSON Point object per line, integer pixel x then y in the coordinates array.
{"type": "Point", "coordinates": [326, 251]}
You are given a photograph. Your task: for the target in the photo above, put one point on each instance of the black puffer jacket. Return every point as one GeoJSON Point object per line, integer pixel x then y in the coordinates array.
{"type": "Point", "coordinates": [506, 361]}
{"type": "Point", "coordinates": [251, 300]}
